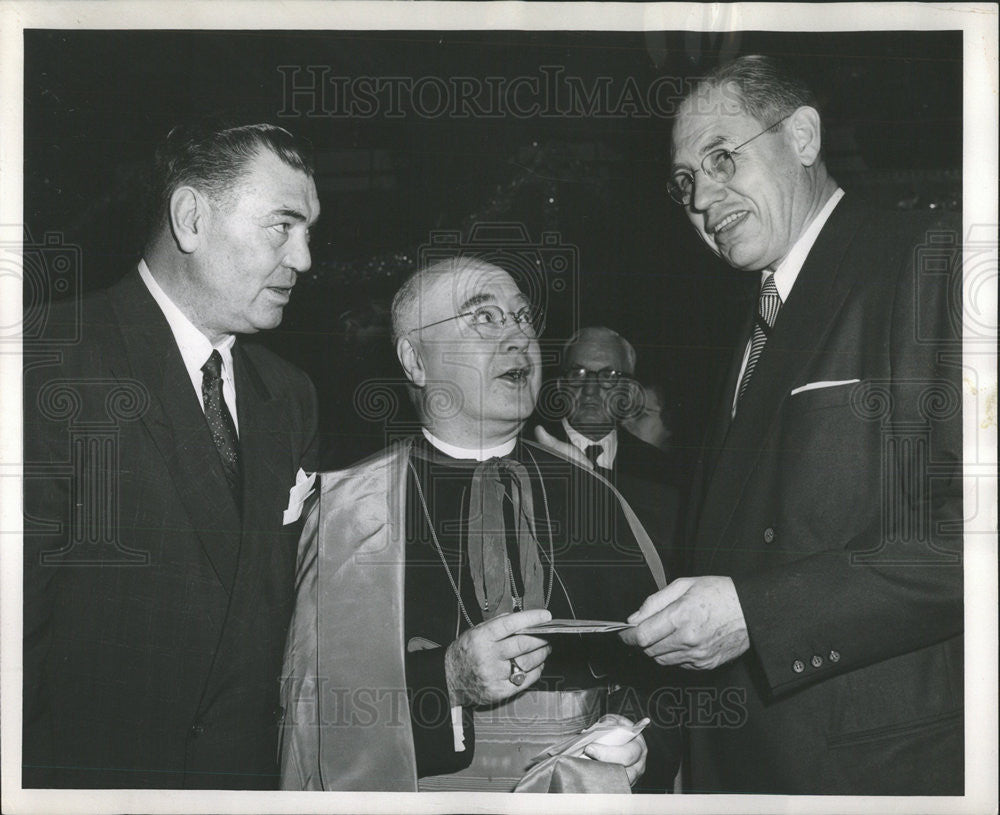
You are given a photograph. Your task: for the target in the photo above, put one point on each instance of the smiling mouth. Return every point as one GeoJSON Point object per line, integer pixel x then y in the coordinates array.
{"type": "Point", "coordinates": [283, 290]}
{"type": "Point", "coordinates": [729, 222]}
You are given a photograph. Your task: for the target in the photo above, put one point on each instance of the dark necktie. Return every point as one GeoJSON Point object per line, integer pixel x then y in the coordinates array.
{"type": "Point", "coordinates": [593, 452]}
{"type": "Point", "coordinates": [767, 313]}
{"type": "Point", "coordinates": [220, 422]}
{"type": "Point", "coordinates": [495, 549]}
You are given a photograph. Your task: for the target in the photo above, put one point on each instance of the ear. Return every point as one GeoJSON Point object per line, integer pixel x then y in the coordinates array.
{"type": "Point", "coordinates": [806, 134]}
{"type": "Point", "coordinates": [188, 211]}
{"type": "Point", "coordinates": [409, 358]}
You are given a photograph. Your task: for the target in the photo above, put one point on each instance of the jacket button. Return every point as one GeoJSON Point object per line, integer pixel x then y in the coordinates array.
{"type": "Point", "coordinates": [197, 730]}
{"type": "Point", "coordinates": [835, 656]}
{"type": "Point", "coordinates": [817, 660]}
{"type": "Point", "coordinates": [798, 666]}
{"type": "Point", "coordinates": [769, 535]}
{"type": "Point", "coordinates": [279, 714]}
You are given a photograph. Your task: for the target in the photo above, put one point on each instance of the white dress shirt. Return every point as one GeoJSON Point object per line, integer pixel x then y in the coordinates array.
{"type": "Point", "coordinates": [194, 346]}
{"type": "Point", "coordinates": [610, 444]}
{"type": "Point", "coordinates": [788, 270]}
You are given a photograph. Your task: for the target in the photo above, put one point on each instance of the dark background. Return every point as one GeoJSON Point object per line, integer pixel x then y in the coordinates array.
{"type": "Point", "coordinates": [584, 190]}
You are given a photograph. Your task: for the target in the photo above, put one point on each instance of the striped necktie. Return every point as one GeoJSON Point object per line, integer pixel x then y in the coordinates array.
{"type": "Point", "coordinates": [767, 313]}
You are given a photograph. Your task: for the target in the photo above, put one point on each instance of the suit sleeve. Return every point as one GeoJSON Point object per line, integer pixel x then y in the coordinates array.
{"type": "Point", "coordinates": [897, 586]}
{"type": "Point", "coordinates": [46, 525]}
{"type": "Point", "coordinates": [430, 716]}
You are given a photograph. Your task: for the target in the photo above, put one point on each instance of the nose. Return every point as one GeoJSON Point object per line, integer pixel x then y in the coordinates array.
{"type": "Point", "coordinates": [591, 387]}
{"type": "Point", "coordinates": [513, 338]}
{"type": "Point", "coordinates": [706, 192]}
{"type": "Point", "coordinates": [299, 258]}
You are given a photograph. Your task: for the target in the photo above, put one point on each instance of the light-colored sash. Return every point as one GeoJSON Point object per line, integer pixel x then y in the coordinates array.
{"type": "Point", "coordinates": [346, 723]}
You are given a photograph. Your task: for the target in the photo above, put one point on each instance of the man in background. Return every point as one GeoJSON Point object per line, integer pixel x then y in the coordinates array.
{"type": "Point", "coordinates": [598, 392]}
{"type": "Point", "coordinates": [410, 662]}
{"type": "Point", "coordinates": [159, 553]}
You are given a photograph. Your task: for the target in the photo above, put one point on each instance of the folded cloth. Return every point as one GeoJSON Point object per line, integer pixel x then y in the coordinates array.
{"type": "Point", "coordinates": [574, 774]}
{"type": "Point", "coordinates": [563, 767]}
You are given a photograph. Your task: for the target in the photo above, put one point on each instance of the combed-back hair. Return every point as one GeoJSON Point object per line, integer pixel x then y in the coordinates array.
{"type": "Point", "coordinates": [211, 154]}
{"type": "Point", "coordinates": [766, 87]}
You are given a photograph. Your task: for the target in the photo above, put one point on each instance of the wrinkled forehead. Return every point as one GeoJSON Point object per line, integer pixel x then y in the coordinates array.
{"type": "Point", "coordinates": [710, 117]}
{"type": "Point", "coordinates": [459, 291]}
{"type": "Point", "coordinates": [596, 353]}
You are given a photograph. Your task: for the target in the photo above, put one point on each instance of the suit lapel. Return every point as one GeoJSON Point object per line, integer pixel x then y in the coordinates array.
{"type": "Point", "coordinates": [266, 457]}
{"type": "Point", "coordinates": [819, 292]}
{"type": "Point", "coordinates": [177, 425]}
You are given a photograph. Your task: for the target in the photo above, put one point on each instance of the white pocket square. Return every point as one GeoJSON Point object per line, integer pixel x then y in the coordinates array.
{"type": "Point", "coordinates": [301, 489]}
{"type": "Point", "coordinates": [812, 386]}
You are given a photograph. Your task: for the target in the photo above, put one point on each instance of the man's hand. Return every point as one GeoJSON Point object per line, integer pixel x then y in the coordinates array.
{"type": "Point", "coordinates": [631, 755]}
{"type": "Point", "coordinates": [477, 664]}
{"type": "Point", "coordinates": [695, 622]}
{"type": "Point", "coordinates": [561, 448]}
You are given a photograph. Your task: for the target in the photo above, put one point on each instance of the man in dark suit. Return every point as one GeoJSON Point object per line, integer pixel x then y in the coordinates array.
{"type": "Point", "coordinates": [160, 521]}
{"type": "Point", "coordinates": [597, 388]}
{"type": "Point", "coordinates": [825, 612]}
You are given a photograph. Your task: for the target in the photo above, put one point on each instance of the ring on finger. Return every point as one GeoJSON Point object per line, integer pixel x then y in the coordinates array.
{"type": "Point", "coordinates": [517, 674]}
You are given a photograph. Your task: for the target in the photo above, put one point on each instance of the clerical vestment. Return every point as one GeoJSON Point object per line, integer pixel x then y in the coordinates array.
{"type": "Point", "coordinates": [384, 586]}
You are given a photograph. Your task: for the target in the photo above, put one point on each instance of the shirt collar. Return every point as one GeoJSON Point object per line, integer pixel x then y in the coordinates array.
{"type": "Point", "coordinates": [194, 346]}
{"type": "Point", "coordinates": [581, 442]}
{"type": "Point", "coordinates": [788, 270]}
{"type": "Point", "coordinates": [479, 454]}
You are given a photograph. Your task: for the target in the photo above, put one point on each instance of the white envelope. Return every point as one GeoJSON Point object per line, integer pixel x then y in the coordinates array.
{"type": "Point", "coordinates": [301, 489]}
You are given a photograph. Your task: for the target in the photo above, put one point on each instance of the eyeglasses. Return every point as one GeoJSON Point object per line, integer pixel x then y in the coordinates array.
{"type": "Point", "coordinates": [607, 378]}
{"type": "Point", "coordinates": [719, 165]}
{"type": "Point", "coordinates": [489, 322]}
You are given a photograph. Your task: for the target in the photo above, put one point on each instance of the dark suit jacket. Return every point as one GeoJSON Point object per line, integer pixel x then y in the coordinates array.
{"type": "Point", "coordinates": [647, 478]}
{"type": "Point", "coordinates": [838, 513]}
{"type": "Point", "coordinates": [154, 618]}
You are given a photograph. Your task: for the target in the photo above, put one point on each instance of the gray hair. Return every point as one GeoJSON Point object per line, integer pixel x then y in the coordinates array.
{"type": "Point", "coordinates": [600, 332]}
{"type": "Point", "coordinates": [405, 303]}
{"type": "Point", "coordinates": [765, 87]}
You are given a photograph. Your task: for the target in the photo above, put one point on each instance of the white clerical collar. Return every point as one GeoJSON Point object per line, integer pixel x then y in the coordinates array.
{"type": "Point", "coordinates": [194, 346]}
{"type": "Point", "coordinates": [479, 454]}
{"type": "Point", "coordinates": [581, 442]}
{"type": "Point", "coordinates": [789, 268]}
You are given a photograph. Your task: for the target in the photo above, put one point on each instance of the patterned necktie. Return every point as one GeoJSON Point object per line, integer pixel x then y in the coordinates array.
{"type": "Point", "coordinates": [220, 422]}
{"type": "Point", "coordinates": [593, 452]}
{"type": "Point", "coordinates": [767, 314]}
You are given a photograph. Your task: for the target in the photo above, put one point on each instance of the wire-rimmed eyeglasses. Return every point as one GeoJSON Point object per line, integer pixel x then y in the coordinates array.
{"type": "Point", "coordinates": [607, 378]}
{"type": "Point", "coordinates": [490, 321]}
{"type": "Point", "coordinates": [719, 165]}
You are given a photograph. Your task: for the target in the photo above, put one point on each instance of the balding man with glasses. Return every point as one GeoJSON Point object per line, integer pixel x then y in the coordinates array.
{"type": "Point", "coordinates": [826, 530]}
{"type": "Point", "coordinates": [410, 662]}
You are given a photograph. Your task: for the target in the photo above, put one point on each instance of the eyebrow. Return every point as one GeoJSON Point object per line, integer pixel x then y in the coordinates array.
{"type": "Point", "coordinates": [476, 300]}
{"type": "Point", "coordinates": [285, 212]}
{"type": "Point", "coordinates": [718, 141]}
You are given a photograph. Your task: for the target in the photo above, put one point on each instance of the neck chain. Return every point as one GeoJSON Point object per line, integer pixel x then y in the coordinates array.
{"type": "Point", "coordinates": [510, 577]}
